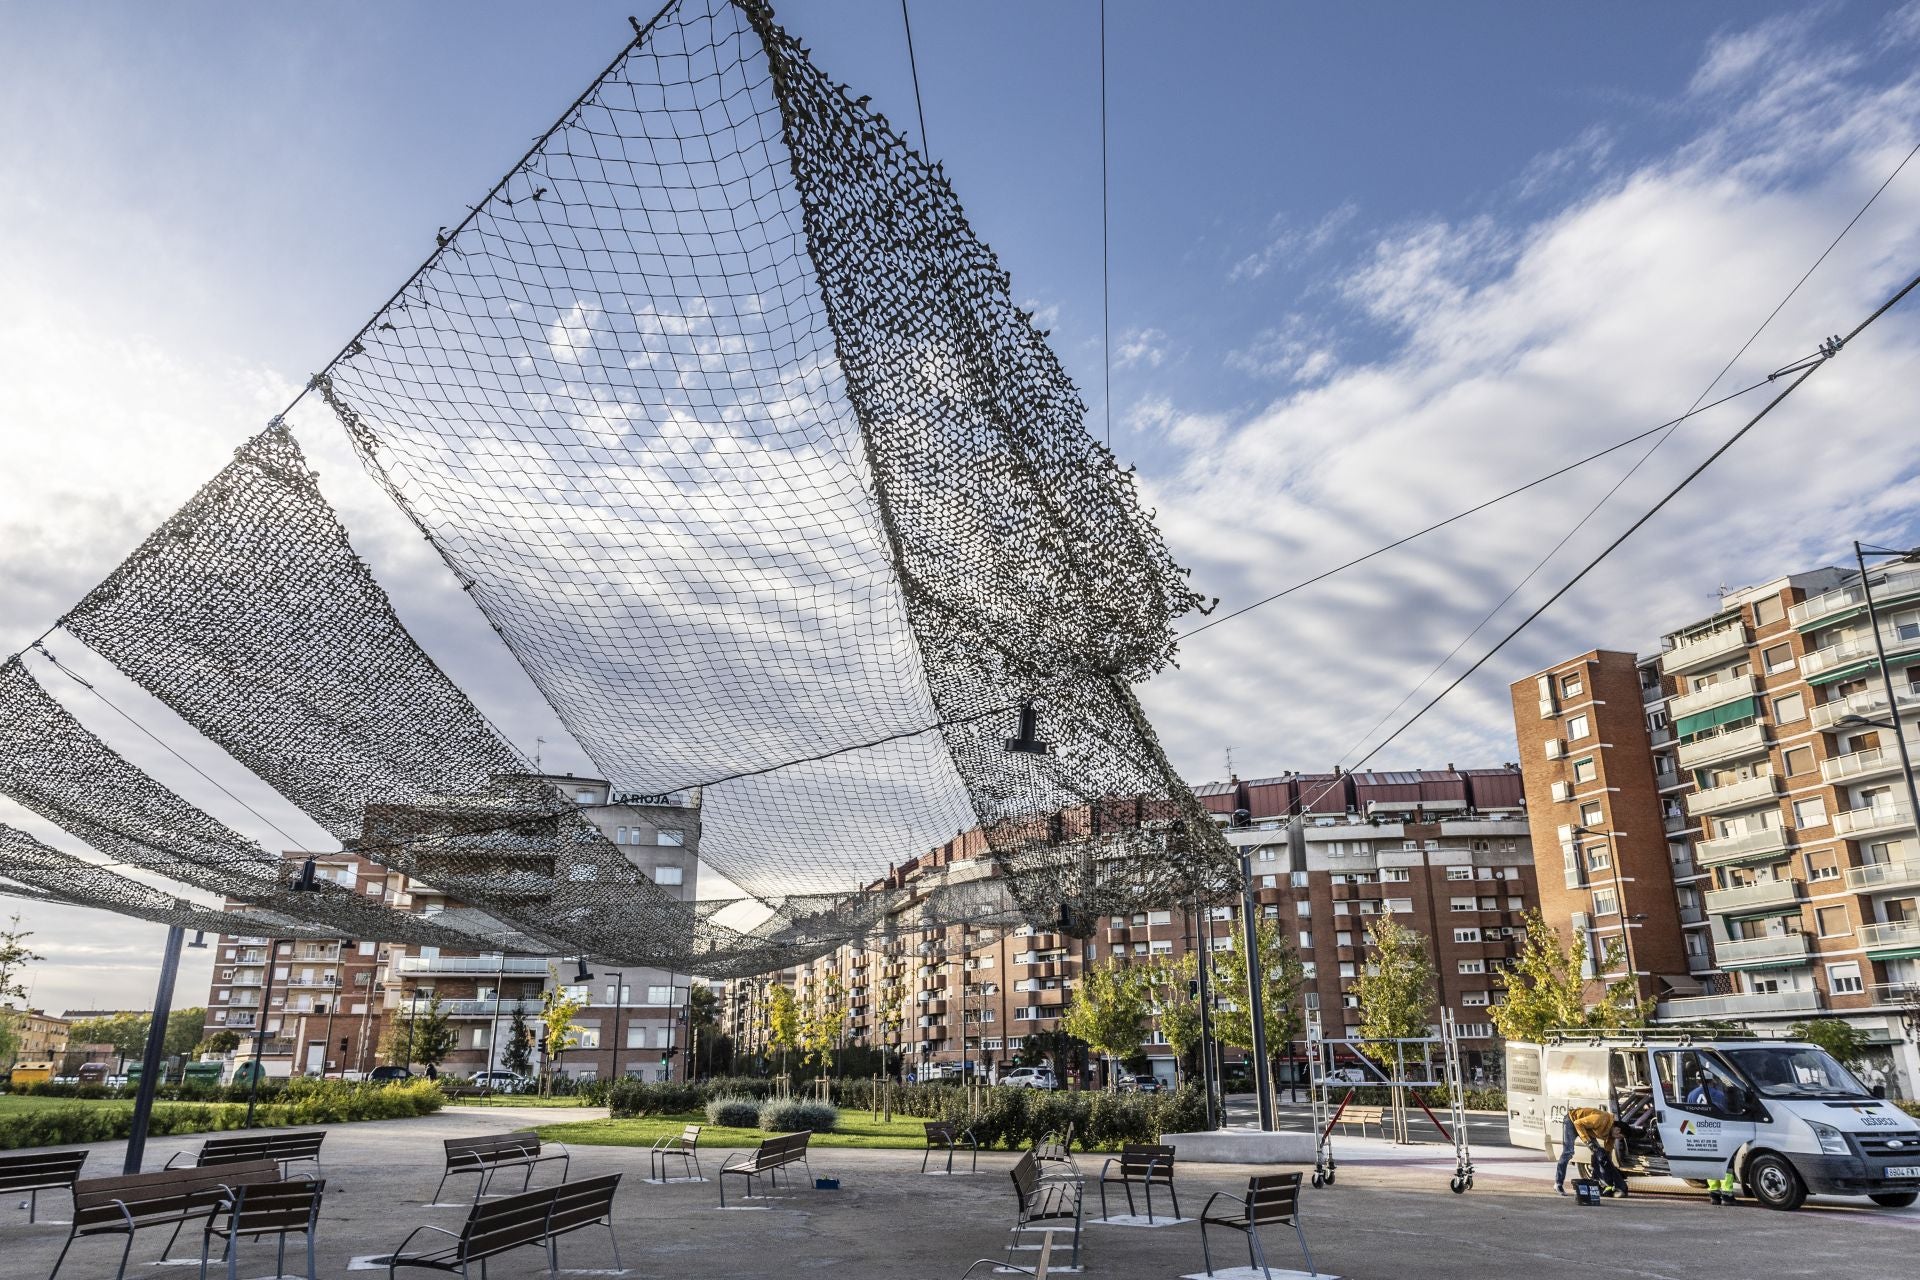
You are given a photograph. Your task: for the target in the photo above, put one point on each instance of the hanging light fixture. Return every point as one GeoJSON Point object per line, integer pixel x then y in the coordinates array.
{"type": "Point", "coordinates": [580, 974]}
{"type": "Point", "coordinates": [308, 881]}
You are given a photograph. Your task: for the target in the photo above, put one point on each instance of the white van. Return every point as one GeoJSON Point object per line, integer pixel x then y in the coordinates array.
{"type": "Point", "coordinates": [1785, 1116]}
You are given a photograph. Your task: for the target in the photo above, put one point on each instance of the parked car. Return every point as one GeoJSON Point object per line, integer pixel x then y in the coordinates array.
{"type": "Point", "coordinates": [386, 1075]}
{"type": "Point", "coordinates": [1030, 1078]}
{"type": "Point", "coordinates": [1144, 1083]}
{"type": "Point", "coordinates": [501, 1081]}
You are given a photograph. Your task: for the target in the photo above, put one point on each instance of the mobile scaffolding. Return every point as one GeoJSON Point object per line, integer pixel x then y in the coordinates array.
{"type": "Point", "coordinates": [1340, 1065]}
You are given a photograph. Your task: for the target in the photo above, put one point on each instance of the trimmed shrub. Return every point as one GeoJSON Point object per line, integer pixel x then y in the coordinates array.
{"type": "Point", "coordinates": [790, 1115]}
{"type": "Point", "coordinates": [734, 1112]}
{"type": "Point", "coordinates": [300, 1103]}
{"type": "Point", "coordinates": [1910, 1107]}
{"type": "Point", "coordinates": [630, 1098]}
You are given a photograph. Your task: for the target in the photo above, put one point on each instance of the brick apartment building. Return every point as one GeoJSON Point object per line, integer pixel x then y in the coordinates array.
{"type": "Point", "coordinates": [1446, 850]}
{"type": "Point", "coordinates": [38, 1036]}
{"type": "Point", "coordinates": [1748, 807]}
{"type": "Point", "coordinates": [328, 1002]}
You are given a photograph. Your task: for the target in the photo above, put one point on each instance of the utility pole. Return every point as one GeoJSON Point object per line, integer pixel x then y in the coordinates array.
{"type": "Point", "coordinates": [1256, 984]}
{"type": "Point", "coordinates": [156, 1043]}
{"type": "Point", "coordinates": [1203, 960]}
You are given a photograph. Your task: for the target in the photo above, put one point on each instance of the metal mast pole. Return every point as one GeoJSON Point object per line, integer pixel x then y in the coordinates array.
{"type": "Point", "coordinates": [260, 1030]}
{"type": "Point", "coordinates": [1886, 682]}
{"type": "Point", "coordinates": [1256, 983]}
{"type": "Point", "coordinates": [156, 1044]}
{"type": "Point", "coordinates": [1202, 959]}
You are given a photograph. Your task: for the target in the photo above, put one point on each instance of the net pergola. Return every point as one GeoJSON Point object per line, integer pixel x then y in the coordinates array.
{"type": "Point", "coordinates": [730, 427]}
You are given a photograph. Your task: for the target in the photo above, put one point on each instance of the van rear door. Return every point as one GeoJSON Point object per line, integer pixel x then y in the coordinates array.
{"type": "Point", "coordinates": [1526, 1104]}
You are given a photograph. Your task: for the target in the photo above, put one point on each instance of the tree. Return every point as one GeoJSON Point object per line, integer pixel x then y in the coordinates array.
{"type": "Point", "coordinates": [1546, 989]}
{"type": "Point", "coordinates": [424, 1035]}
{"type": "Point", "coordinates": [558, 1009]}
{"type": "Point", "coordinates": [15, 956]}
{"type": "Point", "coordinates": [1395, 988]}
{"type": "Point", "coordinates": [1170, 985]}
{"type": "Point", "coordinates": [1283, 976]}
{"type": "Point", "coordinates": [219, 1042]}
{"type": "Point", "coordinates": [126, 1032]}
{"type": "Point", "coordinates": [780, 1020]}
{"type": "Point", "coordinates": [518, 1055]}
{"type": "Point", "coordinates": [184, 1029]}
{"type": "Point", "coordinates": [703, 1020]}
{"type": "Point", "coordinates": [1836, 1035]}
{"type": "Point", "coordinates": [823, 1019]}
{"type": "Point", "coordinates": [1109, 1010]}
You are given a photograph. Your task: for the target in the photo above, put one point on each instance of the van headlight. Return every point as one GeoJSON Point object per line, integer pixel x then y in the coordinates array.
{"type": "Point", "coordinates": [1832, 1141]}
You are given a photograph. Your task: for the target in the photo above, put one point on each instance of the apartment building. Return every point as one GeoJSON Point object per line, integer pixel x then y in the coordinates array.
{"type": "Point", "coordinates": [1447, 851]}
{"type": "Point", "coordinates": [327, 1004]}
{"type": "Point", "coordinates": [38, 1036]}
{"type": "Point", "coordinates": [1763, 752]}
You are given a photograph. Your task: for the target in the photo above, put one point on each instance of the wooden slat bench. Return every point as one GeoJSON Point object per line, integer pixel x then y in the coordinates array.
{"type": "Point", "coordinates": [685, 1148]}
{"type": "Point", "coordinates": [1054, 1155]}
{"type": "Point", "coordinates": [131, 1203]}
{"type": "Point", "coordinates": [1362, 1117]}
{"type": "Point", "coordinates": [1141, 1164]}
{"type": "Point", "coordinates": [484, 1157]}
{"type": "Point", "coordinates": [1047, 1206]}
{"type": "Point", "coordinates": [528, 1219]}
{"type": "Point", "coordinates": [37, 1171]}
{"type": "Point", "coordinates": [943, 1135]}
{"type": "Point", "coordinates": [773, 1155]}
{"type": "Point", "coordinates": [289, 1147]}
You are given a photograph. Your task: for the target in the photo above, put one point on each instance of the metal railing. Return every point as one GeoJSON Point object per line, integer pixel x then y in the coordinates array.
{"type": "Point", "coordinates": [1748, 844]}
{"type": "Point", "coordinates": [1895, 584]}
{"type": "Point", "coordinates": [1728, 744]}
{"type": "Point", "coordinates": [1872, 819]}
{"type": "Point", "coordinates": [1760, 895]}
{"type": "Point", "coordinates": [1875, 876]}
{"type": "Point", "coordinates": [1898, 933]}
{"type": "Point", "coordinates": [1714, 695]}
{"type": "Point", "coordinates": [1747, 791]}
{"type": "Point", "coordinates": [1740, 1004]}
{"type": "Point", "coordinates": [1785, 946]}
{"type": "Point", "coordinates": [1705, 648]}
{"type": "Point", "coordinates": [1869, 702]}
{"type": "Point", "coordinates": [481, 965]}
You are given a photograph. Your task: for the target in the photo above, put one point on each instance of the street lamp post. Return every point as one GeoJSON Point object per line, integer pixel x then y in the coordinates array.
{"type": "Point", "coordinates": [1860, 554]}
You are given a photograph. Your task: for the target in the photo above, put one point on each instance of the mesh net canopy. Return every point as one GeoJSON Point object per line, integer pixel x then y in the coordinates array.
{"type": "Point", "coordinates": [730, 427]}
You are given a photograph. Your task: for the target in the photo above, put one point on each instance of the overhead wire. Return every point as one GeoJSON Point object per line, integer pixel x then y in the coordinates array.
{"type": "Point", "coordinates": [919, 107]}
{"type": "Point", "coordinates": [1106, 288]}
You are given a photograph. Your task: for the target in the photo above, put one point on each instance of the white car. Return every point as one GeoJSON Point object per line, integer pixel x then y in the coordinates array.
{"type": "Point", "coordinates": [1030, 1078]}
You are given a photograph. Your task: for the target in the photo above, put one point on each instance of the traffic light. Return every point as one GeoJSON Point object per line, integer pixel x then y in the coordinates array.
{"type": "Point", "coordinates": [343, 1046]}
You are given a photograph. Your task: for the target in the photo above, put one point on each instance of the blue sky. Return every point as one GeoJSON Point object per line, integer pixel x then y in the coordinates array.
{"type": "Point", "coordinates": [1369, 264]}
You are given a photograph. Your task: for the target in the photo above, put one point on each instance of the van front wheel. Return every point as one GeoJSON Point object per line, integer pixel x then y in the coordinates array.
{"type": "Point", "coordinates": [1773, 1181]}
{"type": "Point", "coordinates": [1894, 1199]}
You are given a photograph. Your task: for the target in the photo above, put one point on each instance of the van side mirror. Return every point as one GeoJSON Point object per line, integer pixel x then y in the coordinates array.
{"type": "Point", "coordinates": [1879, 1091]}
{"type": "Point", "coordinates": [1738, 1101]}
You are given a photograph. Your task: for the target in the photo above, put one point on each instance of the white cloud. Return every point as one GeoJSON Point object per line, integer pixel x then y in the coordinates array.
{"type": "Point", "coordinates": [1143, 347]}
{"type": "Point", "coordinates": [1523, 344]}
{"type": "Point", "coordinates": [1287, 244]}
{"type": "Point", "coordinates": [1292, 351]}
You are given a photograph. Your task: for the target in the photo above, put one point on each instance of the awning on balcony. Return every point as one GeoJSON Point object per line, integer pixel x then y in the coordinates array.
{"type": "Point", "coordinates": [1707, 721]}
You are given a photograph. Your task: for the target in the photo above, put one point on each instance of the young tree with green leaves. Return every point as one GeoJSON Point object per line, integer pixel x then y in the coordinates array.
{"type": "Point", "coordinates": [822, 1020]}
{"type": "Point", "coordinates": [780, 1020]}
{"type": "Point", "coordinates": [1282, 978]}
{"type": "Point", "coordinates": [184, 1029]}
{"type": "Point", "coordinates": [15, 956]}
{"type": "Point", "coordinates": [558, 1010]}
{"type": "Point", "coordinates": [1836, 1035]}
{"type": "Point", "coordinates": [1395, 985]}
{"type": "Point", "coordinates": [1545, 989]}
{"type": "Point", "coordinates": [1109, 1011]}
{"type": "Point", "coordinates": [219, 1042]}
{"type": "Point", "coordinates": [423, 1034]}
{"type": "Point", "coordinates": [126, 1032]}
{"type": "Point", "coordinates": [1170, 987]}
{"type": "Point", "coordinates": [517, 1055]}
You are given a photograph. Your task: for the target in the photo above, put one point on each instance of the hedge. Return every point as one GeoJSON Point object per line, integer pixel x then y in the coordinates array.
{"type": "Point", "coordinates": [731, 1112]}
{"type": "Point", "coordinates": [1911, 1108]}
{"type": "Point", "coordinates": [791, 1115]}
{"type": "Point", "coordinates": [298, 1103]}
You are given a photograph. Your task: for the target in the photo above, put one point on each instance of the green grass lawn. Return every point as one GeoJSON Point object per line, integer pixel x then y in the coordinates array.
{"type": "Point", "coordinates": [13, 1104]}
{"type": "Point", "coordinates": [857, 1129]}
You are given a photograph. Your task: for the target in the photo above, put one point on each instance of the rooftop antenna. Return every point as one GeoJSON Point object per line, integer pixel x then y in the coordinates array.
{"type": "Point", "coordinates": [1230, 773]}
{"type": "Point", "coordinates": [538, 743]}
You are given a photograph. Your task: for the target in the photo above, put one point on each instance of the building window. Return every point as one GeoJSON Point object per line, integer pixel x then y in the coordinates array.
{"type": "Point", "coordinates": [1822, 866]}
{"type": "Point", "coordinates": [1776, 658]}
{"type": "Point", "coordinates": [1585, 770]}
{"type": "Point", "coordinates": [1789, 708]}
{"type": "Point", "coordinates": [1464, 904]}
{"type": "Point", "coordinates": [1309, 969]}
{"type": "Point", "coordinates": [1473, 999]}
{"type": "Point", "coordinates": [1605, 903]}
{"type": "Point", "coordinates": [1472, 966]}
{"type": "Point", "coordinates": [1599, 856]}
{"type": "Point", "coordinates": [1811, 812]}
{"type": "Point", "coordinates": [669, 875]}
{"type": "Point", "coordinates": [1831, 921]}
{"type": "Point", "coordinates": [670, 837]}
{"type": "Point", "coordinates": [1343, 939]}
{"type": "Point", "coordinates": [1297, 879]}
{"type": "Point", "coordinates": [1844, 979]}
{"type": "Point", "coordinates": [1798, 760]}
{"type": "Point", "coordinates": [1159, 917]}
{"type": "Point", "coordinates": [589, 1038]}
{"type": "Point", "coordinates": [1395, 875]}
{"type": "Point", "coordinates": [1769, 611]}
{"type": "Point", "coordinates": [1572, 686]}
{"type": "Point", "coordinates": [1466, 935]}
{"type": "Point", "coordinates": [1578, 727]}
{"type": "Point", "coordinates": [659, 995]}
{"type": "Point", "coordinates": [1306, 942]}
{"type": "Point", "coordinates": [619, 835]}
{"type": "Point", "coordinates": [1459, 873]}
{"type": "Point", "coordinates": [1305, 908]}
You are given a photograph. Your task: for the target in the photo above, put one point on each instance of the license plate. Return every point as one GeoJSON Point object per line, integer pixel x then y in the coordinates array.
{"type": "Point", "coordinates": [1903, 1171]}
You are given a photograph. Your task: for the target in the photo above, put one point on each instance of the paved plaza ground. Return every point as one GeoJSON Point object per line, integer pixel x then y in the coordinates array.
{"type": "Point", "coordinates": [1390, 1215]}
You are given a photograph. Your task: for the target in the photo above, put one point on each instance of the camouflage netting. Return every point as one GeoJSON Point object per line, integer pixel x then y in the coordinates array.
{"type": "Point", "coordinates": [730, 427]}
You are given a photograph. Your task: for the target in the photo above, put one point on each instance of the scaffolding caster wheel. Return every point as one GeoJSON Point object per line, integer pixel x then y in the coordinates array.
{"type": "Point", "coordinates": [1320, 1180]}
{"type": "Point", "coordinates": [1328, 1178]}
{"type": "Point", "coordinates": [1460, 1184]}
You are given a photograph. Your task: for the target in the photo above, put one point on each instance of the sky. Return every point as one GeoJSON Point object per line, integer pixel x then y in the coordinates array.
{"type": "Point", "coordinates": [1366, 266]}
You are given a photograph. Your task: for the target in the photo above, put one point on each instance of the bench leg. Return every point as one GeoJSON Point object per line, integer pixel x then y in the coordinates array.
{"type": "Point", "coordinates": [442, 1187]}
{"type": "Point", "coordinates": [1206, 1251]}
{"type": "Point", "coordinates": [1257, 1252]}
{"type": "Point", "coordinates": [120, 1273]}
{"type": "Point", "coordinates": [614, 1241]}
{"type": "Point", "coordinates": [1301, 1235]}
{"type": "Point", "coordinates": [170, 1241]}
{"type": "Point", "coordinates": [1103, 1197]}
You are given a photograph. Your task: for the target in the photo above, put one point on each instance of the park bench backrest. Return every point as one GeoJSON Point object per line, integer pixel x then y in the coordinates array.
{"type": "Point", "coordinates": [690, 1136]}
{"type": "Point", "coordinates": [495, 1226]}
{"type": "Point", "coordinates": [233, 1150]}
{"type": "Point", "coordinates": [583, 1203]}
{"type": "Point", "coordinates": [1143, 1160]}
{"type": "Point", "coordinates": [1273, 1197]}
{"type": "Point", "coordinates": [493, 1149]}
{"type": "Point", "coordinates": [273, 1208]}
{"type": "Point", "coordinates": [159, 1196]}
{"type": "Point", "coordinates": [1026, 1178]}
{"type": "Point", "coordinates": [940, 1131]}
{"type": "Point", "coordinates": [38, 1170]}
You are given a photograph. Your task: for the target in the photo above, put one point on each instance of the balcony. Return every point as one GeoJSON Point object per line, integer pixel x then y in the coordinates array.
{"type": "Point", "coordinates": [310, 955]}
{"type": "Point", "coordinates": [248, 978]}
{"type": "Point", "coordinates": [1743, 794]}
{"type": "Point", "coordinates": [1899, 582]}
{"type": "Point", "coordinates": [1746, 845]}
{"type": "Point", "coordinates": [1898, 935]}
{"type": "Point", "coordinates": [1875, 876]}
{"type": "Point", "coordinates": [1872, 820]}
{"type": "Point", "coordinates": [485, 1008]}
{"type": "Point", "coordinates": [1854, 651]}
{"type": "Point", "coordinates": [328, 981]}
{"type": "Point", "coordinates": [1729, 744]}
{"type": "Point", "coordinates": [1748, 899]}
{"type": "Point", "coordinates": [1753, 1005]}
{"type": "Point", "coordinates": [1874, 762]}
{"type": "Point", "coordinates": [1781, 949]}
{"type": "Point", "coordinates": [1717, 694]}
{"type": "Point", "coordinates": [482, 965]}
{"type": "Point", "coordinates": [1703, 650]}
{"type": "Point", "coordinates": [1872, 703]}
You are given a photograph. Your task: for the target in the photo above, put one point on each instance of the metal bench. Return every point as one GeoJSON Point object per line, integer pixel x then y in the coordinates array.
{"type": "Point", "coordinates": [943, 1135]}
{"type": "Point", "coordinates": [277, 1209]}
{"type": "Point", "coordinates": [37, 1171]}
{"type": "Point", "coordinates": [1054, 1154]}
{"type": "Point", "coordinates": [484, 1157]}
{"type": "Point", "coordinates": [1364, 1116]}
{"type": "Point", "coordinates": [293, 1146]}
{"type": "Point", "coordinates": [132, 1203]}
{"type": "Point", "coordinates": [1141, 1164]}
{"type": "Point", "coordinates": [773, 1155]}
{"type": "Point", "coordinates": [539, 1217]}
{"type": "Point", "coordinates": [1047, 1206]}
{"type": "Point", "coordinates": [1270, 1198]}
{"type": "Point", "coordinates": [685, 1148]}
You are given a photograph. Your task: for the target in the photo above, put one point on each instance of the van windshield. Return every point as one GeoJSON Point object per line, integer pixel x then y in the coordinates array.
{"type": "Point", "coordinates": [1800, 1071]}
